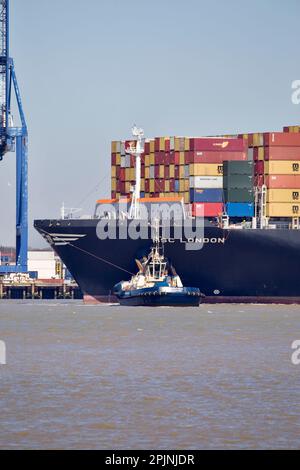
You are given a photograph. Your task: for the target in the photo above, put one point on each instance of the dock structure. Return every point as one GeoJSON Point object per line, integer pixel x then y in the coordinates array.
{"type": "Point", "coordinates": [46, 289]}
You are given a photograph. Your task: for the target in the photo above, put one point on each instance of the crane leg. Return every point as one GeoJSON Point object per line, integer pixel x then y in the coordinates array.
{"type": "Point", "coordinates": [22, 203]}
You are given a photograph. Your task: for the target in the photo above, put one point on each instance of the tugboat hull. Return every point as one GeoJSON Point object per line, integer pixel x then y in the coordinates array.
{"type": "Point", "coordinates": [187, 297]}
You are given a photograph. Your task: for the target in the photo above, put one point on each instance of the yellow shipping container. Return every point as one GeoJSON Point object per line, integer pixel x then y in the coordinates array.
{"type": "Point", "coordinates": [132, 174]}
{"type": "Point", "coordinates": [180, 144]}
{"type": "Point", "coordinates": [151, 186]}
{"type": "Point", "coordinates": [142, 184]}
{"type": "Point", "coordinates": [118, 195]}
{"type": "Point", "coordinates": [283, 210]}
{"type": "Point", "coordinates": [283, 195]}
{"type": "Point", "coordinates": [181, 171]}
{"type": "Point", "coordinates": [282, 168]}
{"type": "Point", "coordinates": [187, 197]}
{"type": "Point", "coordinates": [113, 184]}
{"type": "Point", "coordinates": [162, 143]}
{"type": "Point", "coordinates": [113, 171]}
{"type": "Point", "coordinates": [172, 171]}
{"type": "Point", "coordinates": [186, 184]}
{"type": "Point", "coordinates": [147, 172]}
{"type": "Point", "coordinates": [206, 169]}
{"type": "Point", "coordinates": [118, 159]}
{"type": "Point", "coordinates": [181, 185]}
{"type": "Point", "coordinates": [152, 146]}
{"type": "Point", "coordinates": [152, 159]}
{"type": "Point", "coordinates": [258, 139]}
{"type": "Point", "coordinates": [127, 174]}
{"type": "Point", "coordinates": [147, 160]}
{"type": "Point", "coordinates": [261, 153]}
{"type": "Point", "coordinates": [177, 144]}
{"type": "Point", "coordinates": [147, 194]}
{"type": "Point", "coordinates": [127, 187]}
{"type": "Point", "coordinates": [167, 186]}
{"type": "Point", "coordinates": [161, 171]}
{"type": "Point", "coordinates": [181, 158]}
{"type": "Point", "coordinates": [114, 146]}
{"type": "Point", "coordinates": [187, 144]}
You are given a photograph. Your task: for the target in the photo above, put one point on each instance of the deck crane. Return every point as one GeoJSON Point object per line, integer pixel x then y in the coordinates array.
{"type": "Point", "coordinates": [13, 139]}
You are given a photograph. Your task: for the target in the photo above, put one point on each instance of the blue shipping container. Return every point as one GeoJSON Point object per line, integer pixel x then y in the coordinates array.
{"type": "Point", "coordinates": [240, 209]}
{"type": "Point", "coordinates": [206, 195]}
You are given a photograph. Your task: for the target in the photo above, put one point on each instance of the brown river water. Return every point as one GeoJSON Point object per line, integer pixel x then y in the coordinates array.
{"type": "Point", "coordinates": [110, 377]}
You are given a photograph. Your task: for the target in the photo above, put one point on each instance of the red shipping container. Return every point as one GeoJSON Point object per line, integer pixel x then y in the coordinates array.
{"type": "Point", "coordinates": [177, 158]}
{"type": "Point", "coordinates": [172, 186]}
{"type": "Point", "coordinates": [215, 157]}
{"type": "Point", "coordinates": [167, 172]}
{"type": "Point", "coordinates": [157, 144]}
{"type": "Point", "coordinates": [118, 169]}
{"type": "Point", "coordinates": [122, 174]}
{"type": "Point", "coordinates": [259, 180]}
{"type": "Point", "coordinates": [159, 186]}
{"type": "Point", "coordinates": [160, 158]}
{"type": "Point", "coordinates": [288, 139]}
{"type": "Point", "coordinates": [218, 144]}
{"type": "Point", "coordinates": [286, 129]}
{"type": "Point", "coordinates": [156, 171]}
{"type": "Point", "coordinates": [147, 148]}
{"type": "Point", "coordinates": [169, 158]}
{"type": "Point", "coordinates": [259, 167]}
{"type": "Point", "coordinates": [113, 194]}
{"type": "Point", "coordinates": [207, 209]}
{"type": "Point", "coordinates": [282, 153]}
{"type": "Point", "coordinates": [143, 171]}
{"type": "Point", "coordinates": [283, 181]}
{"type": "Point", "coordinates": [113, 159]}
{"type": "Point", "coordinates": [176, 172]}
{"type": "Point", "coordinates": [167, 145]}
{"type": "Point", "coordinates": [147, 186]}
{"type": "Point", "coordinates": [132, 161]}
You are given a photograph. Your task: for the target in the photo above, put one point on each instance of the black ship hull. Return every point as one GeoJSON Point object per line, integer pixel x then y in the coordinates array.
{"type": "Point", "coordinates": [233, 265]}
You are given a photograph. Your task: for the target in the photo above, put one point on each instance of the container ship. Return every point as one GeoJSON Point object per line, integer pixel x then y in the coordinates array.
{"type": "Point", "coordinates": [243, 191]}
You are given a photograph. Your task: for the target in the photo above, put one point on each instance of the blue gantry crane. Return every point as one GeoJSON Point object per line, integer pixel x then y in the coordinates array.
{"type": "Point", "coordinates": [13, 139]}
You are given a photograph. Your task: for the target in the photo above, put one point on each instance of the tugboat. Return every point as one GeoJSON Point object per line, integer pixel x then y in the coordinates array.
{"type": "Point", "coordinates": [156, 284]}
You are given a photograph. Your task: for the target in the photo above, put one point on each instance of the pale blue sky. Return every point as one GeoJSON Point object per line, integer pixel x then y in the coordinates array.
{"type": "Point", "coordinates": [89, 70]}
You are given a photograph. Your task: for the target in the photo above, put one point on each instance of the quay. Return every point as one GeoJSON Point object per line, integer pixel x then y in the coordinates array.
{"type": "Point", "coordinates": [39, 289]}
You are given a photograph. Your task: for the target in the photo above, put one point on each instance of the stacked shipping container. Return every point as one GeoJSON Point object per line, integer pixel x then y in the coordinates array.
{"type": "Point", "coordinates": [192, 168]}
{"type": "Point", "coordinates": [238, 188]}
{"type": "Point", "coordinates": [277, 165]}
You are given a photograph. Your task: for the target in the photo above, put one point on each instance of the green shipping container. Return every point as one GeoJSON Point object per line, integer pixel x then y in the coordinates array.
{"type": "Point", "coordinates": [238, 181]}
{"type": "Point", "coordinates": [239, 195]}
{"type": "Point", "coordinates": [238, 168]}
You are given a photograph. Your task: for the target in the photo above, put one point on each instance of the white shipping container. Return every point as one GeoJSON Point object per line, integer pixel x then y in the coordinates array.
{"type": "Point", "coordinates": [43, 262]}
{"type": "Point", "coordinates": [204, 182]}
